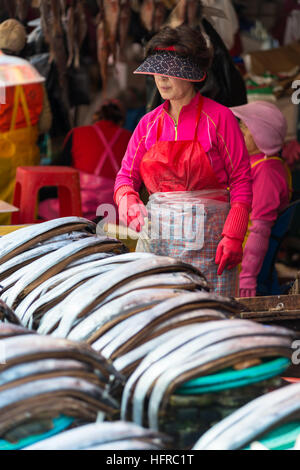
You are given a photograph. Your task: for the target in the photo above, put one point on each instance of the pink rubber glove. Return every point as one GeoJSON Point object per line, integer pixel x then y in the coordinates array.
{"type": "Point", "coordinates": [131, 209]}
{"type": "Point", "coordinates": [254, 255]}
{"type": "Point", "coordinates": [291, 152]}
{"type": "Point", "coordinates": [230, 249]}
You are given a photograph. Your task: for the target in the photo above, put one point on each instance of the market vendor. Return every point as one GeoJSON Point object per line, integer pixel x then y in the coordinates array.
{"type": "Point", "coordinates": [264, 128]}
{"type": "Point", "coordinates": [189, 143]}
{"type": "Point", "coordinates": [25, 114]}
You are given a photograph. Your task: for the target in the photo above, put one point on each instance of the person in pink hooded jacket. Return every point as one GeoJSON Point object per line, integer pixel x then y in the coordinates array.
{"type": "Point", "coordinates": [189, 143]}
{"type": "Point", "coordinates": [264, 128]}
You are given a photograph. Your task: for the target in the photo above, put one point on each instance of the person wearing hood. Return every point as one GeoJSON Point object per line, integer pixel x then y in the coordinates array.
{"type": "Point", "coordinates": [25, 114]}
{"type": "Point", "coordinates": [189, 144]}
{"type": "Point", "coordinates": [264, 128]}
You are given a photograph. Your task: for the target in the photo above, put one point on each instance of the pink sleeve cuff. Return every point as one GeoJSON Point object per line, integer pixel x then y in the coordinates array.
{"type": "Point", "coordinates": [254, 253]}
{"type": "Point", "coordinates": [236, 224]}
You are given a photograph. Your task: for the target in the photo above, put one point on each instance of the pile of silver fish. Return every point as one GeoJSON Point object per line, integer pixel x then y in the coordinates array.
{"type": "Point", "coordinates": [133, 337]}
{"type": "Point", "coordinates": [194, 351]}
{"type": "Point", "coordinates": [253, 420]}
{"type": "Point", "coordinates": [49, 253]}
{"type": "Point", "coordinates": [43, 377]}
{"type": "Point", "coordinates": [118, 435]}
{"type": "Point", "coordinates": [60, 278]}
{"type": "Point", "coordinates": [105, 324]}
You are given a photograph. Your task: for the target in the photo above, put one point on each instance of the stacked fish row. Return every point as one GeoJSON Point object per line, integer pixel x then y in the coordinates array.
{"type": "Point", "coordinates": [61, 280]}
{"type": "Point", "coordinates": [43, 377]}
{"type": "Point", "coordinates": [51, 252]}
{"type": "Point", "coordinates": [193, 351]}
{"type": "Point", "coordinates": [131, 288]}
{"type": "Point", "coordinates": [138, 312]}
{"type": "Point", "coordinates": [127, 339]}
{"type": "Point", "coordinates": [105, 436]}
{"type": "Point", "coordinates": [255, 420]}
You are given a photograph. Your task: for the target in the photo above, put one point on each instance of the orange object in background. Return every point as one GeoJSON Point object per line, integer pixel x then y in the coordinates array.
{"type": "Point", "coordinates": [34, 96]}
{"type": "Point", "coordinates": [18, 146]}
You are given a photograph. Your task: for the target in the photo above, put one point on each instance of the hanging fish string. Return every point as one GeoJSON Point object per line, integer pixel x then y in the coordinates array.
{"type": "Point", "coordinates": [53, 32]}
{"type": "Point", "coordinates": [65, 29]}
{"type": "Point", "coordinates": [17, 9]}
{"type": "Point", "coordinates": [113, 25]}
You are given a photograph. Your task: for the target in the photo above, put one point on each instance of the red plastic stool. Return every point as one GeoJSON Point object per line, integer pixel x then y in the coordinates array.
{"type": "Point", "coordinates": [30, 179]}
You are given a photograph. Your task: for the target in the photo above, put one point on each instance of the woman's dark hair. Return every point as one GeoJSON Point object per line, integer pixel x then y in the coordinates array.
{"type": "Point", "coordinates": [187, 41]}
{"type": "Point", "coordinates": [111, 110]}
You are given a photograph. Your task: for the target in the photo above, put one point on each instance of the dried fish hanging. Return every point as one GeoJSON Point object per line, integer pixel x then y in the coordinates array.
{"type": "Point", "coordinates": [125, 16]}
{"type": "Point", "coordinates": [159, 15]}
{"type": "Point", "coordinates": [112, 14]}
{"type": "Point", "coordinates": [51, 14]}
{"type": "Point", "coordinates": [63, 27]}
{"type": "Point", "coordinates": [22, 9]}
{"type": "Point", "coordinates": [113, 23]}
{"type": "Point", "coordinates": [10, 7]}
{"type": "Point", "coordinates": [75, 28]}
{"type": "Point", "coordinates": [69, 27]}
{"type": "Point", "coordinates": [147, 14]}
{"type": "Point", "coordinates": [81, 30]}
{"type": "Point", "coordinates": [103, 48]}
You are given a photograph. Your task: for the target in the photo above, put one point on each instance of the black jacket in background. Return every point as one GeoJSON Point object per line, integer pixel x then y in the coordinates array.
{"type": "Point", "coordinates": [224, 83]}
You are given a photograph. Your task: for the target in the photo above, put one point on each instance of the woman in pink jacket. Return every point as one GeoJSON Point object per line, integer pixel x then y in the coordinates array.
{"type": "Point", "coordinates": [189, 143]}
{"type": "Point", "coordinates": [264, 128]}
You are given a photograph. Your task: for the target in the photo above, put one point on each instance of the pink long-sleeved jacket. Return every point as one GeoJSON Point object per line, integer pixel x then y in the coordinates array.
{"type": "Point", "coordinates": [270, 196]}
{"type": "Point", "coordinates": [219, 134]}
